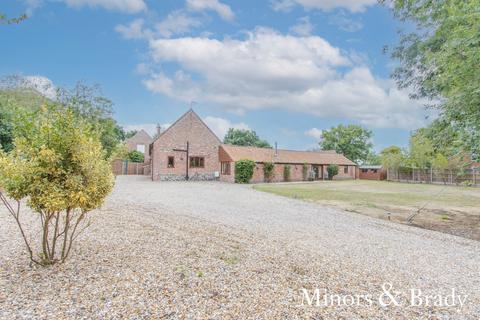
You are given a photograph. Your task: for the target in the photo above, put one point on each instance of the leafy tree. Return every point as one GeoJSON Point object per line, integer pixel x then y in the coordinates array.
{"type": "Point", "coordinates": [286, 172]}
{"type": "Point", "coordinates": [440, 61]}
{"type": "Point", "coordinates": [6, 128]}
{"type": "Point", "coordinates": [58, 165]}
{"type": "Point", "coordinates": [242, 137]}
{"type": "Point", "coordinates": [332, 170]}
{"type": "Point", "coordinates": [5, 20]}
{"type": "Point", "coordinates": [421, 150]}
{"type": "Point", "coordinates": [13, 103]}
{"type": "Point", "coordinates": [445, 138]}
{"type": "Point", "coordinates": [244, 170]}
{"type": "Point", "coordinates": [136, 156]}
{"type": "Point", "coordinates": [373, 159]}
{"type": "Point", "coordinates": [89, 103]}
{"type": "Point", "coordinates": [440, 162]}
{"type": "Point", "coordinates": [268, 171]}
{"type": "Point", "coordinates": [352, 141]}
{"type": "Point", "coordinates": [305, 172]}
{"type": "Point", "coordinates": [392, 157]}
{"type": "Point", "coordinates": [130, 134]}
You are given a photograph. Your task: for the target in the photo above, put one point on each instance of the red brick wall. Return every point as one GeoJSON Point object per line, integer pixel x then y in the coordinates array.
{"type": "Point", "coordinates": [371, 175]}
{"type": "Point", "coordinates": [230, 177]}
{"type": "Point", "coordinates": [202, 142]}
{"type": "Point", "coordinates": [296, 173]}
{"type": "Point", "coordinates": [341, 174]}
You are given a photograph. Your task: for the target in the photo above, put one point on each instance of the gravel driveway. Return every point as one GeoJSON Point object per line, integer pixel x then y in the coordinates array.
{"type": "Point", "coordinates": [196, 250]}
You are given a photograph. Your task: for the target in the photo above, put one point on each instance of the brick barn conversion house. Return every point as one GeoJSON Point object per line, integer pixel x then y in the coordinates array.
{"type": "Point", "coordinates": [190, 150]}
{"type": "Point", "coordinates": [140, 142]}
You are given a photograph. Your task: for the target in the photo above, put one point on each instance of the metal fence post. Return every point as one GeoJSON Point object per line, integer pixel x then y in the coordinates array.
{"type": "Point", "coordinates": [431, 175]}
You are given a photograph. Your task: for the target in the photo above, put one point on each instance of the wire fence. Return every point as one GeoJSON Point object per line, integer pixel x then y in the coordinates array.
{"type": "Point", "coordinates": [467, 177]}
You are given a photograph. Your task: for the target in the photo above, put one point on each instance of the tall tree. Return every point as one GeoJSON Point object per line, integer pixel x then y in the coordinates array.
{"type": "Point", "coordinates": [130, 134]}
{"type": "Point", "coordinates": [392, 157]}
{"type": "Point", "coordinates": [445, 138]}
{"type": "Point", "coordinates": [89, 103]}
{"type": "Point", "coordinates": [421, 150]}
{"type": "Point", "coordinates": [6, 128]}
{"type": "Point", "coordinates": [440, 61]}
{"type": "Point", "coordinates": [352, 141]}
{"type": "Point", "coordinates": [242, 137]}
{"type": "Point", "coordinates": [6, 20]}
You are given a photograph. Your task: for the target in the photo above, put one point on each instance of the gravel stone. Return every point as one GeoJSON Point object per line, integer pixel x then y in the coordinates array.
{"type": "Point", "coordinates": [211, 250]}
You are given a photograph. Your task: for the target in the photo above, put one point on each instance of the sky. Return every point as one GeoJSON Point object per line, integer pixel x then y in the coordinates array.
{"type": "Point", "coordinates": [287, 69]}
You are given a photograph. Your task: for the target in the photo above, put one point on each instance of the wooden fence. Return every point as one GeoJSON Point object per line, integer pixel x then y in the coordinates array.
{"type": "Point", "coordinates": [452, 177]}
{"type": "Point", "coordinates": [123, 167]}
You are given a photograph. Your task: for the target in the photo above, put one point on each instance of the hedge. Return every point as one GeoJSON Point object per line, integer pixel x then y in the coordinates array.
{"type": "Point", "coordinates": [286, 172]}
{"type": "Point", "coordinates": [305, 172]}
{"type": "Point", "coordinates": [244, 170]}
{"type": "Point", "coordinates": [268, 172]}
{"type": "Point", "coordinates": [332, 170]}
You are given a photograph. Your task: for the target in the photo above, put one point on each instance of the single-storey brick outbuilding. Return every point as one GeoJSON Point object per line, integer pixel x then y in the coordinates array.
{"type": "Point", "coordinates": [188, 149]}
{"type": "Point", "coordinates": [372, 172]}
{"type": "Point", "coordinates": [316, 161]}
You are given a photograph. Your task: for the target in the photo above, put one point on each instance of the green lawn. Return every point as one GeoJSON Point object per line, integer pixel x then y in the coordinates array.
{"type": "Point", "coordinates": [378, 192]}
{"type": "Point", "coordinates": [448, 209]}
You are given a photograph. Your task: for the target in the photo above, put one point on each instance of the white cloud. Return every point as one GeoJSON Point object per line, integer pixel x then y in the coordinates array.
{"type": "Point", "coordinates": [220, 126]}
{"type": "Point", "coordinates": [133, 30]}
{"type": "Point", "coordinates": [223, 10]}
{"type": "Point", "coordinates": [175, 23]}
{"type": "Point", "coordinates": [41, 84]}
{"type": "Point", "coordinates": [127, 6]}
{"type": "Point", "coordinates": [326, 5]}
{"type": "Point", "coordinates": [314, 133]}
{"type": "Point", "coordinates": [303, 27]}
{"type": "Point", "coordinates": [32, 5]}
{"type": "Point", "coordinates": [345, 23]}
{"type": "Point", "coordinates": [271, 70]}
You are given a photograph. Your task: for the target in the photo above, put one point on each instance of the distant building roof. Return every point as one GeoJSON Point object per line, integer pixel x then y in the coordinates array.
{"type": "Point", "coordinates": [370, 166]}
{"type": "Point", "coordinates": [236, 153]}
{"type": "Point", "coordinates": [142, 136]}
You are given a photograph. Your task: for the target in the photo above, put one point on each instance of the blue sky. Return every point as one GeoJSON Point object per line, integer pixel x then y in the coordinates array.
{"type": "Point", "coordinates": [285, 68]}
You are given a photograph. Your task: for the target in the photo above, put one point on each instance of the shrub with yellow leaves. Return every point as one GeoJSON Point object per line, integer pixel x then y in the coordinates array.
{"type": "Point", "coordinates": [59, 167]}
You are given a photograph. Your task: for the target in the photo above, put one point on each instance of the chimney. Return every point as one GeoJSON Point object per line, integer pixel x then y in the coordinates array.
{"type": "Point", "coordinates": [159, 129]}
{"type": "Point", "coordinates": [276, 149]}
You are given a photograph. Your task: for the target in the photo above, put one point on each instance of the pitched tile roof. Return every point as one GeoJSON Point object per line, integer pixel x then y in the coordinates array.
{"type": "Point", "coordinates": [285, 156]}
{"type": "Point", "coordinates": [189, 112]}
{"type": "Point", "coordinates": [141, 135]}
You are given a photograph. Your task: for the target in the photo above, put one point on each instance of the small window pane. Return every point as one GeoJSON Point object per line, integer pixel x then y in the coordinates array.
{"type": "Point", "coordinates": [141, 148]}
{"type": "Point", "coordinates": [171, 162]}
{"type": "Point", "coordinates": [226, 168]}
{"type": "Point", "coordinates": [197, 162]}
